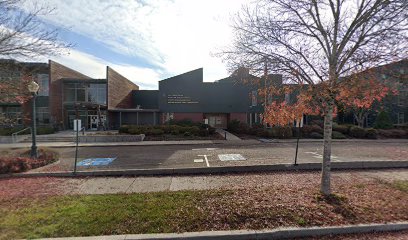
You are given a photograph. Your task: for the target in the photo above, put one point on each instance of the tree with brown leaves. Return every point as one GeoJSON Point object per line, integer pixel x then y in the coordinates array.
{"type": "Point", "coordinates": [316, 43]}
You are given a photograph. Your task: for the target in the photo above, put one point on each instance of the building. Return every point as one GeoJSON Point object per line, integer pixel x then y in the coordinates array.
{"type": "Point", "coordinates": [395, 74]}
{"type": "Point", "coordinates": [113, 101]}
{"type": "Point", "coordinates": [66, 94]}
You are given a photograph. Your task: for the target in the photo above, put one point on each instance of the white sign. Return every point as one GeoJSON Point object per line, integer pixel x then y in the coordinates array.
{"type": "Point", "coordinates": [77, 125]}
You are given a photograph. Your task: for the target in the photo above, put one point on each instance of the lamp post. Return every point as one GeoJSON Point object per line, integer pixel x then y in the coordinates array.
{"type": "Point", "coordinates": [33, 89]}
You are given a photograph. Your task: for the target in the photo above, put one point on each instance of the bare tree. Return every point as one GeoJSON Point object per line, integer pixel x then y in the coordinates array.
{"type": "Point", "coordinates": [316, 42]}
{"type": "Point", "coordinates": [24, 34]}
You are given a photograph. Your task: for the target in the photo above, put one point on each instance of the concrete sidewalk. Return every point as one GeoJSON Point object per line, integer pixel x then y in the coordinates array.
{"type": "Point", "coordinates": [114, 185]}
{"type": "Point", "coordinates": [103, 144]}
{"type": "Point", "coordinates": [232, 141]}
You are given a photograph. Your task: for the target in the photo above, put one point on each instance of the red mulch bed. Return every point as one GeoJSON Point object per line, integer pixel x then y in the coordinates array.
{"type": "Point", "coordinates": [22, 163]}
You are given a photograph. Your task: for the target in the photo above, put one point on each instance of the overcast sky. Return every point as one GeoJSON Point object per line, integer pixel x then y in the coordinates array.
{"type": "Point", "coordinates": [145, 40]}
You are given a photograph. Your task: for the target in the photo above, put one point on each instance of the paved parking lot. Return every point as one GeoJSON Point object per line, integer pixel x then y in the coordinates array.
{"type": "Point", "coordinates": [210, 155]}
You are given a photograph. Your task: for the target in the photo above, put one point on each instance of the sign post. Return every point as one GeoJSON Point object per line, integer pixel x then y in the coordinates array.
{"type": "Point", "coordinates": [77, 127]}
{"type": "Point", "coordinates": [299, 124]}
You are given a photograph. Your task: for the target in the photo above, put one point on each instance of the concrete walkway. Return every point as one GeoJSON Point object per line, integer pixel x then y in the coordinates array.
{"type": "Point", "coordinates": [103, 144]}
{"type": "Point", "coordinates": [113, 185]}
{"type": "Point", "coordinates": [229, 136]}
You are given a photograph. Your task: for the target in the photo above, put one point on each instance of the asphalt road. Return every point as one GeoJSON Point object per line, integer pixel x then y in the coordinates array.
{"type": "Point", "coordinates": [209, 155]}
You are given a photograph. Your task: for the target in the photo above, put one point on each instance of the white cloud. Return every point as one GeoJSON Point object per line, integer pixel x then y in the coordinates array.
{"type": "Point", "coordinates": [96, 68]}
{"type": "Point", "coordinates": [176, 35]}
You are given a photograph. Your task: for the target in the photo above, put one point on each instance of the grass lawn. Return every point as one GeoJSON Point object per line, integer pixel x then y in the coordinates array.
{"type": "Point", "coordinates": [281, 205]}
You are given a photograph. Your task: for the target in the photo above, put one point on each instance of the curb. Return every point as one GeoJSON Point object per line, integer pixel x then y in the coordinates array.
{"type": "Point", "coordinates": [358, 165]}
{"type": "Point", "coordinates": [279, 233]}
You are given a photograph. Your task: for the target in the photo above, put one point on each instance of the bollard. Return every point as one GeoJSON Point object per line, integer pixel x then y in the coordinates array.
{"type": "Point", "coordinates": [225, 135]}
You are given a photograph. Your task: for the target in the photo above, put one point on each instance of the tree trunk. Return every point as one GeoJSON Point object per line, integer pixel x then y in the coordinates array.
{"type": "Point", "coordinates": [328, 125]}
{"type": "Point", "coordinates": [360, 119]}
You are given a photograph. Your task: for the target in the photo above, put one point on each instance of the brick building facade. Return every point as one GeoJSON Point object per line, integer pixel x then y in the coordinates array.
{"type": "Point", "coordinates": [66, 94]}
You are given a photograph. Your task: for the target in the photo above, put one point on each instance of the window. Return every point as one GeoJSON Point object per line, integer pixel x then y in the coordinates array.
{"type": "Point", "coordinates": [97, 93]}
{"type": "Point", "coordinates": [402, 95]}
{"type": "Point", "coordinates": [43, 115]}
{"type": "Point", "coordinates": [11, 114]}
{"type": "Point", "coordinates": [43, 81]}
{"type": "Point", "coordinates": [254, 96]}
{"type": "Point", "coordinates": [13, 111]}
{"type": "Point", "coordinates": [79, 92]}
{"type": "Point", "coordinates": [401, 119]}
{"type": "Point", "coordinates": [287, 97]}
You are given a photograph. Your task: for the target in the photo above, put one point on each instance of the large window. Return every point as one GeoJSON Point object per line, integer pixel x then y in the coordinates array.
{"type": "Point", "coordinates": [79, 92]}
{"type": "Point", "coordinates": [43, 115]}
{"type": "Point", "coordinates": [97, 93]}
{"type": "Point", "coordinates": [11, 114]}
{"type": "Point", "coordinates": [43, 81]}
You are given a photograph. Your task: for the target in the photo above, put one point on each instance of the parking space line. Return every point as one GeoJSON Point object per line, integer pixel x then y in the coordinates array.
{"type": "Point", "coordinates": [206, 159]}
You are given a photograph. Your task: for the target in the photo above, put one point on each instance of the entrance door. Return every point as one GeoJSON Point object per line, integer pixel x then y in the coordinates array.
{"type": "Point", "coordinates": [217, 120]}
{"type": "Point", "coordinates": [93, 122]}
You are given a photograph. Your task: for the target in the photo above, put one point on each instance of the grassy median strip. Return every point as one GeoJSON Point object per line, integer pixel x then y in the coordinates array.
{"type": "Point", "coordinates": [244, 208]}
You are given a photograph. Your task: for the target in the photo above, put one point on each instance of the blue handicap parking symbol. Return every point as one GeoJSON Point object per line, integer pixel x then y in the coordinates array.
{"type": "Point", "coordinates": [96, 162]}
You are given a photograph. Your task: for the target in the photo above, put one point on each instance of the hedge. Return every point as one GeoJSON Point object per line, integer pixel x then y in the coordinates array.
{"type": "Point", "coordinates": [40, 131]}
{"type": "Point", "coordinates": [357, 132]}
{"type": "Point", "coordinates": [157, 130]}
{"type": "Point", "coordinates": [338, 135]}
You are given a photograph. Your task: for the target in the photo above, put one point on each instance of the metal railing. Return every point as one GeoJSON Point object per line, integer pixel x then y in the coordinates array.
{"type": "Point", "coordinates": [14, 136]}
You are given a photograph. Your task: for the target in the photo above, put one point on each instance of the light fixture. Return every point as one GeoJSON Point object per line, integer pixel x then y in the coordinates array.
{"type": "Point", "coordinates": [33, 87]}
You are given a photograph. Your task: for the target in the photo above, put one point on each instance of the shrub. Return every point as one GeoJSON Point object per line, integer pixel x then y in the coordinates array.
{"type": "Point", "coordinates": [236, 126]}
{"type": "Point", "coordinates": [393, 133]}
{"type": "Point", "coordinates": [134, 131]}
{"type": "Point", "coordinates": [124, 129]}
{"type": "Point", "coordinates": [194, 130]}
{"type": "Point", "coordinates": [371, 133]}
{"type": "Point", "coordinates": [316, 135]}
{"type": "Point", "coordinates": [264, 133]}
{"type": "Point", "coordinates": [307, 130]}
{"type": "Point", "coordinates": [187, 134]}
{"type": "Point", "coordinates": [45, 130]}
{"type": "Point", "coordinates": [211, 130]}
{"type": "Point", "coordinates": [203, 133]}
{"type": "Point", "coordinates": [357, 132]}
{"type": "Point", "coordinates": [383, 121]}
{"type": "Point", "coordinates": [8, 131]}
{"type": "Point", "coordinates": [344, 129]}
{"type": "Point", "coordinates": [338, 135]}
{"type": "Point", "coordinates": [175, 132]}
{"type": "Point", "coordinates": [233, 125]}
{"type": "Point", "coordinates": [281, 132]}
{"type": "Point", "coordinates": [154, 132]}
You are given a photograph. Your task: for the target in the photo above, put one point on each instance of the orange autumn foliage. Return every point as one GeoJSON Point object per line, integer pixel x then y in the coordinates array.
{"type": "Point", "coordinates": [356, 94]}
